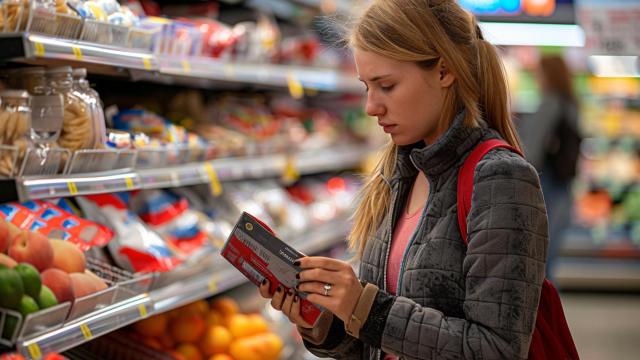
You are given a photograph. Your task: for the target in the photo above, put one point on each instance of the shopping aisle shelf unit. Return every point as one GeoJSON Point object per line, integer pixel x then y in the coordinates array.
{"type": "Point", "coordinates": [195, 71]}
{"type": "Point", "coordinates": [224, 169]}
{"type": "Point", "coordinates": [170, 290]}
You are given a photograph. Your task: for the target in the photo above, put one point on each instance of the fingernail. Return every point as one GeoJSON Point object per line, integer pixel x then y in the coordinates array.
{"type": "Point", "coordinates": [290, 292]}
{"type": "Point", "coordinates": [295, 299]}
{"type": "Point", "coordinates": [298, 287]}
{"type": "Point", "coordinates": [279, 289]}
{"type": "Point", "coordinates": [264, 282]}
{"type": "Point", "coordinates": [298, 276]}
{"type": "Point", "coordinates": [296, 263]}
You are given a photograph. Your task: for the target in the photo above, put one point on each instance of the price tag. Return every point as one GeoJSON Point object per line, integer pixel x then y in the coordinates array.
{"type": "Point", "coordinates": [129, 182]}
{"type": "Point", "coordinates": [77, 52]}
{"type": "Point", "coordinates": [142, 310]}
{"type": "Point", "coordinates": [39, 49]}
{"type": "Point", "coordinates": [34, 351]}
{"type": "Point", "coordinates": [146, 62]}
{"type": "Point", "coordinates": [186, 66]}
{"type": "Point", "coordinates": [213, 284]}
{"type": "Point", "coordinates": [214, 182]}
{"type": "Point", "coordinates": [73, 189]}
{"type": "Point", "coordinates": [295, 86]}
{"type": "Point", "coordinates": [291, 173]}
{"type": "Point", "coordinates": [86, 332]}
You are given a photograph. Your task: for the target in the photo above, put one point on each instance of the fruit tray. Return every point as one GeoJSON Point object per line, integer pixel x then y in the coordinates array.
{"type": "Point", "coordinates": [122, 285]}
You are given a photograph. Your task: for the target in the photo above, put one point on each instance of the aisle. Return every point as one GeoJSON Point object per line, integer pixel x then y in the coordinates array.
{"type": "Point", "coordinates": [604, 326]}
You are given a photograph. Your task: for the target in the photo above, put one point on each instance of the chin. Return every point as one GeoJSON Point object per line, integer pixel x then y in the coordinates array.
{"type": "Point", "coordinates": [403, 140]}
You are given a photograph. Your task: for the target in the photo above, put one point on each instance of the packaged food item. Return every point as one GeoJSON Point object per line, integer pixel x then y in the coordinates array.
{"type": "Point", "coordinates": [15, 122]}
{"type": "Point", "coordinates": [16, 15]}
{"type": "Point", "coordinates": [53, 222]}
{"type": "Point", "coordinates": [171, 216]}
{"type": "Point", "coordinates": [33, 79]}
{"type": "Point", "coordinates": [77, 128]}
{"type": "Point", "coordinates": [135, 246]}
{"type": "Point", "coordinates": [91, 98]}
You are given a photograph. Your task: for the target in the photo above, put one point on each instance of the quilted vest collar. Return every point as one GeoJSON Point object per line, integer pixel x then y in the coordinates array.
{"type": "Point", "coordinates": [436, 158]}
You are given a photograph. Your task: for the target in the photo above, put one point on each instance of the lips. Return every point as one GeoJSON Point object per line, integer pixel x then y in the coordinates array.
{"type": "Point", "coordinates": [387, 128]}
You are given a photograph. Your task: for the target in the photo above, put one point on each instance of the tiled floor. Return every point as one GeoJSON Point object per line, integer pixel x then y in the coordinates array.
{"type": "Point", "coordinates": [604, 327]}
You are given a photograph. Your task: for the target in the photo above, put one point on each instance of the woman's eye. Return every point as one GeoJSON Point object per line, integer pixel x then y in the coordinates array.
{"type": "Point", "coordinates": [387, 88]}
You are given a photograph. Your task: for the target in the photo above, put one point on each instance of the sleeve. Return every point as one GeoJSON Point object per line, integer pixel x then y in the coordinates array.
{"type": "Point", "coordinates": [503, 268]}
{"type": "Point", "coordinates": [330, 340]}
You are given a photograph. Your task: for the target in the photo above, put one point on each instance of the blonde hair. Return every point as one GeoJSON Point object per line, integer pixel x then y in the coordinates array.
{"type": "Point", "coordinates": [422, 31]}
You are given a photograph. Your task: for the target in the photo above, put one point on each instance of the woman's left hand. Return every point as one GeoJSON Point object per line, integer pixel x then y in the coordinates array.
{"type": "Point", "coordinates": [345, 288]}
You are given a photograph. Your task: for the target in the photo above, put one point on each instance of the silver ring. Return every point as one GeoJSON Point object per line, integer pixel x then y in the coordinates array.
{"type": "Point", "coordinates": [327, 287]}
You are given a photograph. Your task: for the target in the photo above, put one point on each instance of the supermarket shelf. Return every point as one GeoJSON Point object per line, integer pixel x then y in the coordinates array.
{"type": "Point", "coordinates": [227, 169]}
{"type": "Point", "coordinates": [139, 65]}
{"type": "Point", "coordinates": [213, 277]}
{"type": "Point", "coordinates": [588, 273]}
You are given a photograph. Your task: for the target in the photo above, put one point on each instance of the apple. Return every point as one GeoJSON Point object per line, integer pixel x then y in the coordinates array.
{"type": "Point", "coordinates": [4, 237]}
{"type": "Point", "coordinates": [67, 257]}
{"type": "Point", "coordinates": [7, 261]}
{"type": "Point", "coordinates": [59, 282]}
{"type": "Point", "coordinates": [32, 248]}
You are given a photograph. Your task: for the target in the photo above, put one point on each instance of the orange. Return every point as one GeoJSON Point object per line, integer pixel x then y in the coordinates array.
{"type": "Point", "coordinates": [152, 343]}
{"type": "Point", "coordinates": [167, 341]}
{"type": "Point", "coordinates": [187, 329]}
{"type": "Point", "coordinates": [215, 341]}
{"type": "Point", "coordinates": [199, 307]}
{"type": "Point", "coordinates": [258, 347]}
{"type": "Point", "coordinates": [225, 306]}
{"type": "Point", "coordinates": [221, 357]}
{"type": "Point", "coordinates": [189, 351]}
{"type": "Point", "coordinates": [153, 326]}
{"type": "Point", "coordinates": [215, 318]}
{"type": "Point", "coordinates": [176, 355]}
{"type": "Point", "coordinates": [242, 325]}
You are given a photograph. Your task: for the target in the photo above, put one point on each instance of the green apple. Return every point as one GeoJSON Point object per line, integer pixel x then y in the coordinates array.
{"type": "Point", "coordinates": [11, 288]}
{"type": "Point", "coordinates": [30, 279]}
{"type": "Point", "coordinates": [47, 298]}
{"type": "Point", "coordinates": [27, 305]}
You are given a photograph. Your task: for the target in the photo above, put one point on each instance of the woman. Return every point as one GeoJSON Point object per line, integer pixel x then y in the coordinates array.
{"type": "Point", "coordinates": [552, 139]}
{"type": "Point", "coordinates": [438, 89]}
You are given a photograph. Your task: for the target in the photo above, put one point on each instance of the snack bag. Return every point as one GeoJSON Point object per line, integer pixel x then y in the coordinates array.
{"type": "Point", "coordinates": [53, 222]}
{"type": "Point", "coordinates": [135, 247]}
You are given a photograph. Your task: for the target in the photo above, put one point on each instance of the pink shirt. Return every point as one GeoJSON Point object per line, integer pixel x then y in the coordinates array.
{"type": "Point", "coordinates": [402, 234]}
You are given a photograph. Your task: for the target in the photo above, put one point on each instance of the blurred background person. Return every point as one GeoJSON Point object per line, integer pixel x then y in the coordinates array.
{"type": "Point", "coordinates": [551, 139]}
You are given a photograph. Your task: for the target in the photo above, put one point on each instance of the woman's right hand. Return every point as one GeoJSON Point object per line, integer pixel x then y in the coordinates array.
{"type": "Point", "coordinates": [288, 303]}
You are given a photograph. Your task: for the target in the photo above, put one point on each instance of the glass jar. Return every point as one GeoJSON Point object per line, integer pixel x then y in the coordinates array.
{"type": "Point", "coordinates": [34, 80]}
{"type": "Point", "coordinates": [15, 122]}
{"type": "Point", "coordinates": [77, 127]}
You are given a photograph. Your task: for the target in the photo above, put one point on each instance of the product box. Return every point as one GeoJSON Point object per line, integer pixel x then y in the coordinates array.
{"type": "Point", "coordinates": [254, 250]}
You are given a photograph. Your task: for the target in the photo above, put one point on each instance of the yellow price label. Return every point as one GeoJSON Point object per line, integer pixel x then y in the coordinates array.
{"type": "Point", "coordinates": [142, 310]}
{"type": "Point", "coordinates": [39, 47]}
{"type": "Point", "coordinates": [73, 189]}
{"type": "Point", "coordinates": [186, 66]}
{"type": "Point", "coordinates": [214, 181]}
{"type": "Point", "coordinates": [86, 332]}
{"type": "Point", "coordinates": [291, 173]}
{"type": "Point", "coordinates": [146, 62]}
{"type": "Point", "coordinates": [213, 285]}
{"type": "Point", "coordinates": [295, 86]}
{"type": "Point", "coordinates": [129, 182]}
{"type": "Point", "coordinates": [34, 351]}
{"type": "Point", "coordinates": [77, 52]}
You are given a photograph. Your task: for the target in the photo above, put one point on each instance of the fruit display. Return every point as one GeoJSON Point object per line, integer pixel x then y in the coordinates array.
{"type": "Point", "coordinates": [38, 273]}
{"type": "Point", "coordinates": [216, 330]}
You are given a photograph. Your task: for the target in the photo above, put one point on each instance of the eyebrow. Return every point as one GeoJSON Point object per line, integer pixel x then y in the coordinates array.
{"type": "Point", "coordinates": [376, 78]}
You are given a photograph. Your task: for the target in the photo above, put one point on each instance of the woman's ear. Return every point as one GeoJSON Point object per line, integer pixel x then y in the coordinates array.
{"type": "Point", "coordinates": [446, 77]}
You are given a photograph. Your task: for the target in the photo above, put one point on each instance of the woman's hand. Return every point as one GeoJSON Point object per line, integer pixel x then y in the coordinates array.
{"type": "Point", "coordinates": [344, 287]}
{"type": "Point", "coordinates": [288, 303]}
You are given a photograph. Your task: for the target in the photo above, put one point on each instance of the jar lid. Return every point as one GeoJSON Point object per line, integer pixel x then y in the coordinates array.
{"type": "Point", "coordinates": [60, 70]}
{"type": "Point", "coordinates": [80, 72]}
{"type": "Point", "coordinates": [14, 94]}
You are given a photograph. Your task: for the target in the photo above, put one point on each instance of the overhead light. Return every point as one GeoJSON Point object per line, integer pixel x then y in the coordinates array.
{"type": "Point", "coordinates": [532, 34]}
{"type": "Point", "coordinates": [615, 66]}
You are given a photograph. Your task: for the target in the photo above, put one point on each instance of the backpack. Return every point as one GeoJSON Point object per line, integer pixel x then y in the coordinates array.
{"type": "Point", "coordinates": [563, 149]}
{"type": "Point", "coordinates": [551, 337]}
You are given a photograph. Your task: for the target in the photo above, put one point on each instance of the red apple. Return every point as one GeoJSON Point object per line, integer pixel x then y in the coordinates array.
{"type": "Point", "coordinates": [7, 261]}
{"type": "Point", "coordinates": [4, 237]}
{"type": "Point", "coordinates": [59, 282]}
{"type": "Point", "coordinates": [32, 248]}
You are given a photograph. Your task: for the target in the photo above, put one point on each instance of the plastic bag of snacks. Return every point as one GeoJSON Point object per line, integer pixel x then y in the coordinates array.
{"type": "Point", "coordinates": [52, 221]}
{"type": "Point", "coordinates": [172, 217]}
{"type": "Point", "coordinates": [92, 100]}
{"type": "Point", "coordinates": [135, 247]}
{"type": "Point", "coordinates": [16, 15]}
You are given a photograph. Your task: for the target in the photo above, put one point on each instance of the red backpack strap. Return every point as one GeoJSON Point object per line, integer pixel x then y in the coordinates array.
{"type": "Point", "coordinates": [465, 179]}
